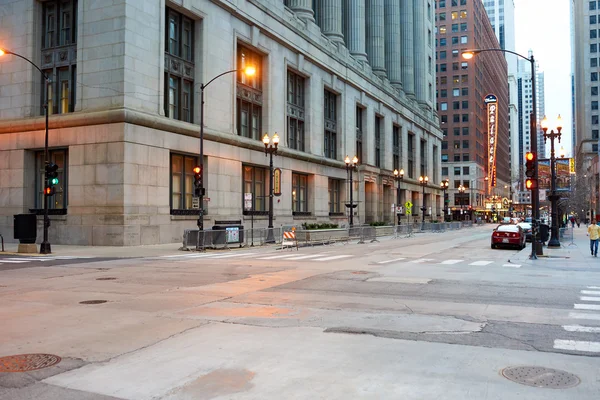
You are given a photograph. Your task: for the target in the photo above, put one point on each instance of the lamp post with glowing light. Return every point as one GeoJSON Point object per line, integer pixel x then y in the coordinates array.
{"type": "Point", "coordinates": [535, 194]}
{"type": "Point", "coordinates": [350, 167]}
{"type": "Point", "coordinates": [398, 175]}
{"type": "Point", "coordinates": [444, 186]}
{"type": "Point", "coordinates": [554, 242]}
{"type": "Point", "coordinates": [461, 190]}
{"type": "Point", "coordinates": [45, 247]}
{"type": "Point", "coordinates": [423, 180]}
{"type": "Point", "coordinates": [270, 149]}
{"type": "Point", "coordinates": [200, 188]}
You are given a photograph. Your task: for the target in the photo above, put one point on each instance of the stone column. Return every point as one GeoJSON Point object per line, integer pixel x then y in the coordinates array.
{"type": "Point", "coordinates": [329, 18]}
{"type": "Point", "coordinates": [420, 57]}
{"type": "Point", "coordinates": [354, 28]}
{"type": "Point", "coordinates": [393, 45]}
{"type": "Point", "coordinates": [407, 32]}
{"type": "Point", "coordinates": [376, 36]}
{"type": "Point", "coordinates": [303, 8]}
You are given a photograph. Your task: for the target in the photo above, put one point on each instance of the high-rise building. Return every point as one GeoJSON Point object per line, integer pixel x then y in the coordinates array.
{"type": "Point", "coordinates": [332, 79]}
{"type": "Point", "coordinates": [462, 87]}
{"type": "Point", "coordinates": [585, 48]}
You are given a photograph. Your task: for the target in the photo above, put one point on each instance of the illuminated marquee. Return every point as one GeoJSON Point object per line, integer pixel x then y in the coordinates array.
{"type": "Point", "coordinates": [492, 107]}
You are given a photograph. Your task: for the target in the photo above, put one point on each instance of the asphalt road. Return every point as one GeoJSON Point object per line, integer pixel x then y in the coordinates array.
{"type": "Point", "coordinates": [9, 262]}
{"type": "Point", "coordinates": [430, 316]}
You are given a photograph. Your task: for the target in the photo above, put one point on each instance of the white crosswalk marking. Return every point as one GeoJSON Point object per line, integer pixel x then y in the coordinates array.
{"type": "Point", "coordinates": [307, 256]}
{"type": "Point", "coordinates": [231, 255]}
{"type": "Point", "coordinates": [481, 263]}
{"type": "Point", "coordinates": [593, 347]}
{"type": "Point", "coordinates": [276, 257]}
{"type": "Point", "coordinates": [421, 260]}
{"type": "Point", "coordinates": [332, 258]}
{"type": "Point", "coordinates": [391, 261]}
{"type": "Point", "coordinates": [587, 306]}
{"type": "Point", "coordinates": [451, 261]}
{"type": "Point", "coordinates": [512, 265]}
{"type": "Point", "coordinates": [27, 259]}
{"type": "Point", "coordinates": [584, 316]}
{"type": "Point", "coordinates": [593, 287]}
{"type": "Point", "coordinates": [590, 292]}
{"type": "Point", "coordinates": [14, 261]}
{"type": "Point", "coordinates": [579, 328]}
{"type": "Point", "coordinates": [585, 298]}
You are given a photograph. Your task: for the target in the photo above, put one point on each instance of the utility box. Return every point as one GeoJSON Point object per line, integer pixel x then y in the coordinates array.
{"type": "Point", "coordinates": [25, 228]}
{"type": "Point", "coordinates": [228, 234]}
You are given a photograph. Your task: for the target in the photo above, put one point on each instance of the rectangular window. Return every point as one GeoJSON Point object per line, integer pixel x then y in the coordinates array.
{"type": "Point", "coordinates": [334, 196]}
{"type": "Point", "coordinates": [443, 29]}
{"type": "Point", "coordinates": [456, 131]}
{"type": "Point", "coordinates": [256, 183]}
{"type": "Point", "coordinates": [595, 147]}
{"type": "Point", "coordinates": [465, 144]}
{"type": "Point", "coordinates": [465, 170]}
{"type": "Point", "coordinates": [444, 145]}
{"type": "Point", "coordinates": [593, 48]}
{"type": "Point", "coordinates": [299, 193]}
{"type": "Point", "coordinates": [456, 105]}
{"type": "Point", "coordinates": [444, 107]}
{"type": "Point", "coordinates": [249, 94]}
{"type": "Point", "coordinates": [593, 33]}
{"type": "Point", "coordinates": [457, 157]}
{"type": "Point", "coordinates": [594, 120]}
{"type": "Point", "coordinates": [444, 157]}
{"type": "Point", "coordinates": [179, 81]}
{"type": "Point", "coordinates": [594, 76]}
{"type": "Point", "coordinates": [463, 26]}
{"type": "Point", "coordinates": [444, 171]}
{"type": "Point", "coordinates": [378, 140]}
{"type": "Point", "coordinates": [594, 90]}
{"type": "Point", "coordinates": [457, 144]}
{"type": "Point", "coordinates": [465, 104]}
{"type": "Point", "coordinates": [463, 14]}
{"type": "Point", "coordinates": [396, 143]}
{"type": "Point", "coordinates": [456, 171]}
{"type": "Point", "coordinates": [465, 156]}
{"type": "Point", "coordinates": [465, 131]}
{"type": "Point", "coordinates": [59, 200]}
{"type": "Point", "coordinates": [411, 156]}
{"type": "Point", "coordinates": [593, 62]}
{"type": "Point", "coordinates": [592, 5]}
{"type": "Point", "coordinates": [295, 111]}
{"type": "Point", "coordinates": [182, 181]}
{"type": "Point", "coordinates": [359, 133]}
{"type": "Point", "coordinates": [593, 19]}
{"type": "Point", "coordinates": [330, 108]}
{"type": "Point", "coordinates": [443, 41]}
{"type": "Point", "coordinates": [464, 39]}
{"type": "Point", "coordinates": [423, 152]}
{"type": "Point", "coordinates": [454, 39]}
{"type": "Point", "coordinates": [594, 133]}
{"type": "Point", "coordinates": [454, 27]}
{"type": "Point", "coordinates": [465, 118]}
{"type": "Point", "coordinates": [594, 105]}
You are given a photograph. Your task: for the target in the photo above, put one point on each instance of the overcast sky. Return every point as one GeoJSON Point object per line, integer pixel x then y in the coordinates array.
{"type": "Point", "coordinates": [543, 26]}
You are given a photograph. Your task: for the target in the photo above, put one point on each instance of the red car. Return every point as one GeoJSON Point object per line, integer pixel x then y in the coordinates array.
{"type": "Point", "coordinates": [508, 235]}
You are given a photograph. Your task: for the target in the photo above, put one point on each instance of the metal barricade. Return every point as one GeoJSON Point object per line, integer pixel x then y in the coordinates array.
{"type": "Point", "coordinates": [368, 233]}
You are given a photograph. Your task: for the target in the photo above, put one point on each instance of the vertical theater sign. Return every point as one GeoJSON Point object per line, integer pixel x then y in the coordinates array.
{"type": "Point", "coordinates": [492, 110]}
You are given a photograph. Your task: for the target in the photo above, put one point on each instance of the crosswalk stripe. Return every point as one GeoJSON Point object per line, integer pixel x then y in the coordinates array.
{"type": "Point", "coordinates": [331, 258]}
{"type": "Point", "coordinates": [27, 259]}
{"type": "Point", "coordinates": [451, 261]}
{"type": "Point", "coordinates": [512, 265]}
{"type": "Point", "coordinates": [276, 257]}
{"type": "Point", "coordinates": [579, 328]}
{"type": "Point", "coordinates": [231, 255]}
{"type": "Point", "coordinates": [14, 261]}
{"type": "Point", "coordinates": [584, 316]}
{"type": "Point", "coordinates": [391, 261]}
{"type": "Point", "coordinates": [481, 263]}
{"type": "Point", "coordinates": [590, 292]}
{"type": "Point", "coordinates": [593, 287]}
{"type": "Point", "coordinates": [592, 347]}
{"type": "Point", "coordinates": [586, 306]}
{"type": "Point", "coordinates": [585, 298]}
{"type": "Point", "coordinates": [421, 260]}
{"type": "Point", "coordinates": [307, 256]}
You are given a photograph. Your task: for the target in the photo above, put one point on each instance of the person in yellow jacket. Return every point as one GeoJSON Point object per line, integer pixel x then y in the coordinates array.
{"type": "Point", "coordinates": [594, 234]}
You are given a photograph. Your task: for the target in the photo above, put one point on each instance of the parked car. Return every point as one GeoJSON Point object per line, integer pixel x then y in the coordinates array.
{"type": "Point", "coordinates": [508, 235]}
{"type": "Point", "coordinates": [505, 221]}
{"type": "Point", "coordinates": [526, 226]}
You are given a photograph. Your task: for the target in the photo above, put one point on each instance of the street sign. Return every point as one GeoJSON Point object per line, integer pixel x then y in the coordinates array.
{"type": "Point", "coordinates": [247, 201]}
{"type": "Point", "coordinates": [195, 203]}
{"type": "Point", "coordinates": [399, 210]}
{"type": "Point", "coordinates": [408, 206]}
{"type": "Point", "coordinates": [393, 207]}
{"type": "Point", "coordinates": [277, 182]}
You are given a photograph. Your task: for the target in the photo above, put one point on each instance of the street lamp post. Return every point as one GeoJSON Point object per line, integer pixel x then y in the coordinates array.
{"type": "Point", "coordinates": [45, 247]}
{"type": "Point", "coordinates": [398, 175]}
{"type": "Point", "coordinates": [535, 195]}
{"type": "Point", "coordinates": [444, 186]}
{"type": "Point", "coordinates": [423, 180]}
{"type": "Point", "coordinates": [200, 188]}
{"type": "Point", "coordinates": [554, 242]}
{"type": "Point", "coordinates": [350, 167]}
{"type": "Point", "coordinates": [461, 190]}
{"type": "Point", "coordinates": [270, 149]}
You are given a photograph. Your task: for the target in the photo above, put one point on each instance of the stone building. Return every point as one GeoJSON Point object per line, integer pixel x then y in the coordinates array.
{"type": "Point", "coordinates": [333, 78]}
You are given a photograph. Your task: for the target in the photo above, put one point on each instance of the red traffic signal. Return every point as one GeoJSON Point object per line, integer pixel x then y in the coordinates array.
{"type": "Point", "coordinates": [49, 190]}
{"type": "Point", "coordinates": [530, 164]}
{"type": "Point", "coordinates": [197, 170]}
{"type": "Point", "coordinates": [531, 184]}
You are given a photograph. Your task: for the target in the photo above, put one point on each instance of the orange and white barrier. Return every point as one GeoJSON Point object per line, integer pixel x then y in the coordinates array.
{"type": "Point", "coordinates": [289, 239]}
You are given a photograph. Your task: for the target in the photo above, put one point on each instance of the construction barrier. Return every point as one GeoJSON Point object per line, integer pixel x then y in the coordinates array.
{"type": "Point", "coordinates": [289, 239]}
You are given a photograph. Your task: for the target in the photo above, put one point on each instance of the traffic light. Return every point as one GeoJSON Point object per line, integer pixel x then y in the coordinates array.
{"type": "Point", "coordinates": [198, 189]}
{"type": "Point", "coordinates": [51, 179]}
{"type": "Point", "coordinates": [529, 164]}
{"type": "Point", "coordinates": [531, 184]}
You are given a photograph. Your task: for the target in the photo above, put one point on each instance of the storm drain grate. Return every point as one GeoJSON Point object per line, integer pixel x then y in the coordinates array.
{"type": "Point", "coordinates": [541, 377]}
{"type": "Point", "coordinates": [108, 278]}
{"type": "Point", "coordinates": [27, 362]}
{"type": "Point", "coordinates": [92, 301]}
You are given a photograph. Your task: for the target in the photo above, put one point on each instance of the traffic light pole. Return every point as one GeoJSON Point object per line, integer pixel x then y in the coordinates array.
{"type": "Point", "coordinates": [535, 193]}
{"type": "Point", "coordinates": [45, 247]}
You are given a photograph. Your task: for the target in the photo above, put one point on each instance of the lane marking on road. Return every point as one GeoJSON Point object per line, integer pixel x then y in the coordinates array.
{"type": "Point", "coordinates": [451, 261]}
{"type": "Point", "coordinates": [232, 255]}
{"type": "Point", "coordinates": [421, 260]}
{"type": "Point", "coordinates": [308, 256]}
{"type": "Point", "coordinates": [512, 265]}
{"type": "Point", "coordinates": [579, 328]}
{"type": "Point", "coordinates": [187, 256]}
{"type": "Point", "coordinates": [13, 261]}
{"type": "Point", "coordinates": [590, 292]}
{"type": "Point", "coordinates": [391, 261]}
{"type": "Point", "coordinates": [584, 316]}
{"type": "Point", "coordinates": [332, 258]}
{"type": "Point", "coordinates": [276, 257]}
{"type": "Point", "coordinates": [481, 263]}
{"type": "Point", "coordinates": [592, 347]}
{"type": "Point", "coordinates": [585, 298]}
{"type": "Point", "coordinates": [586, 306]}
{"type": "Point", "coordinates": [593, 287]}
{"type": "Point", "coordinates": [27, 259]}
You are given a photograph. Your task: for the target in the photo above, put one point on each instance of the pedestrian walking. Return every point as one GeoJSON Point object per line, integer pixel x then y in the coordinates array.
{"type": "Point", "coordinates": [572, 222]}
{"type": "Point", "coordinates": [594, 234]}
{"type": "Point", "coordinates": [578, 221]}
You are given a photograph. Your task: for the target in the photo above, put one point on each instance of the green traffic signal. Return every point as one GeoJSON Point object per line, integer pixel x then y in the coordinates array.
{"type": "Point", "coordinates": [54, 181]}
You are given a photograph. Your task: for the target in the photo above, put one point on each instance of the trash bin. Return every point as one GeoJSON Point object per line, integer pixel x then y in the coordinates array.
{"type": "Point", "coordinates": [228, 234]}
{"type": "Point", "coordinates": [25, 228]}
{"type": "Point", "coordinates": [544, 233]}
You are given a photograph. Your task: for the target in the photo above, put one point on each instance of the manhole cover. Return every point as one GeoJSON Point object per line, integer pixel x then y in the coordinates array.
{"type": "Point", "coordinates": [109, 278]}
{"type": "Point", "coordinates": [541, 377]}
{"type": "Point", "coordinates": [359, 272]}
{"type": "Point", "coordinates": [92, 302]}
{"type": "Point", "coordinates": [27, 362]}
